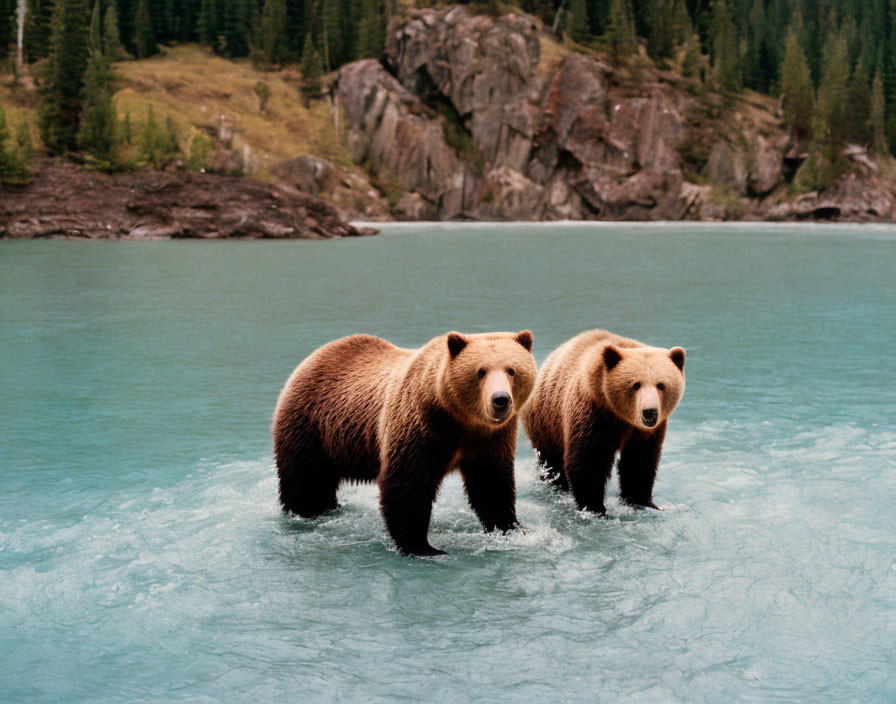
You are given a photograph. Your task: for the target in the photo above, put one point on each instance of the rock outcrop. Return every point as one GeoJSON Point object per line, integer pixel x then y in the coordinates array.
{"type": "Point", "coordinates": [467, 118]}
{"type": "Point", "coordinates": [65, 200]}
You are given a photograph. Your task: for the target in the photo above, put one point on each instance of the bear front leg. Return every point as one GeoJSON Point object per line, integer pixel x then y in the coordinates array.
{"type": "Point", "coordinates": [588, 461]}
{"type": "Point", "coordinates": [409, 480]}
{"type": "Point", "coordinates": [638, 463]}
{"type": "Point", "coordinates": [487, 469]}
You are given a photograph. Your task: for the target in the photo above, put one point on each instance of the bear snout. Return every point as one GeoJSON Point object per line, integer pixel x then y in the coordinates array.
{"type": "Point", "coordinates": [649, 416]}
{"type": "Point", "coordinates": [502, 405]}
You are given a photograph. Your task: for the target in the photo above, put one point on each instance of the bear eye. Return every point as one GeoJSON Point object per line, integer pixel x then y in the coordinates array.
{"type": "Point", "coordinates": [481, 373]}
{"type": "Point", "coordinates": [661, 386]}
{"type": "Point", "coordinates": [511, 371]}
{"type": "Point", "coordinates": [636, 385]}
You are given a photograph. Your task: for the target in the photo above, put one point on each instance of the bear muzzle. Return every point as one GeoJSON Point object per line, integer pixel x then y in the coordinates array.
{"type": "Point", "coordinates": [501, 404]}
{"type": "Point", "coordinates": [649, 416]}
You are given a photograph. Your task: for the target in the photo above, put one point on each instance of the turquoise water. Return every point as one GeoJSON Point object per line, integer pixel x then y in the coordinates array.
{"type": "Point", "coordinates": [143, 556]}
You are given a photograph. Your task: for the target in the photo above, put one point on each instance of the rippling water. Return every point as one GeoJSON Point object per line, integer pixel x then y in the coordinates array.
{"type": "Point", "coordinates": [143, 555]}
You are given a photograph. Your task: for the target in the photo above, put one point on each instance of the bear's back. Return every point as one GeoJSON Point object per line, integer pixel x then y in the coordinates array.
{"type": "Point", "coordinates": [337, 395]}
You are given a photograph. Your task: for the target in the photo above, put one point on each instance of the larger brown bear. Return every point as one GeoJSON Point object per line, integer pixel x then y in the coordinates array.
{"type": "Point", "coordinates": [361, 410]}
{"type": "Point", "coordinates": [598, 394]}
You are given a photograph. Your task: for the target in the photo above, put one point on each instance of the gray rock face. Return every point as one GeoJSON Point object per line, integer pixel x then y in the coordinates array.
{"type": "Point", "coordinates": [482, 66]}
{"type": "Point", "coordinates": [468, 122]}
{"type": "Point", "coordinates": [402, 141]}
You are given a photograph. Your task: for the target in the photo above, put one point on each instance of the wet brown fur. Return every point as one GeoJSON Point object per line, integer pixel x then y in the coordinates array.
{"type": "Point", "coordinates": [361, 409]}
{"type": "Point", "coordinates": [583, 411]}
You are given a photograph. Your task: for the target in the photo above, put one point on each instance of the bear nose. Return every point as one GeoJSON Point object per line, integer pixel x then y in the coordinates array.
{"type": "Point", "coordinates": [501, 403]}
{"type": "Point", "coordinates": [649, 416]}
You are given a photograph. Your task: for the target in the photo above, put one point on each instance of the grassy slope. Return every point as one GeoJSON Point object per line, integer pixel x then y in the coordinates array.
{"type": "Point", "coordinates": [196, 89]}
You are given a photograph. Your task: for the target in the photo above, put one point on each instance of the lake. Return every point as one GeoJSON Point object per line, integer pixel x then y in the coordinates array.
{"type": "Point", "coordinates": [144, 557]}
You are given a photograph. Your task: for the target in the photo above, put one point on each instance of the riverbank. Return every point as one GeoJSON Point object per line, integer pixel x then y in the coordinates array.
{"type": "Point", "coordinates": [67, 200]}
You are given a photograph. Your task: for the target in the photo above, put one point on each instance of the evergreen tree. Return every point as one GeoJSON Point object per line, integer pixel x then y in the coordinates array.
{"type": "Point", "coordinates": [372, 31]}
{"type": "Point", "coordinates": [7, 27]}
{"type": "Point", "coordinates": [724, 43]}
{"type": "Point", "coordinates": [36, 39]}
{"type": "Point", "coordinates": [273, 31]}
{"type": "Point", "coordinates": [60, 111]}
{"type": "Point", "coordinates": [23, 142]}
{"type": "Point", "coordinates": [796, 88]}
{"type": "Point", "coordinates": [99, 124]}
{"type": "Point", "coordinates": [829, 121]}
{"type": "Point", "coordinates": [621, 28]}
{"type": "Point", "coordinates": [209, 22]}
{"type": "Point", "coordinates": [144, 35]}
{"type": "Point", "coordinates": [297, 18]}
{"type": "Point", "coordinates": [112, 46]}
{"type": "Point", "coordinates": [878, 134]}
{"type": "Point", "coordinates": [858, 107]}
{"type": "Point", "coordinates": [670, 25]}
{"type": "Point", "coordinates": [757, 59]}
{"type": "Point", "coordinates": [14, 167]}
{"type": "Point", "coordinates": [312, 69]}
{"type": "Point", "coordinates": [577, 22]}
{"type": "Point", "coordinates": [158, 145]}
{"type": "Point", "coordinates": [236, 28]}
{"type": "Point", "coordinates": [331, 39]}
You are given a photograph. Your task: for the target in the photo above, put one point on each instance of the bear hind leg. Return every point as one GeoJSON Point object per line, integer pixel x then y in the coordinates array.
{"type": "Point", "coordinates": [550, 464]}
{"type": "Point", "coordinates": [308, 483]}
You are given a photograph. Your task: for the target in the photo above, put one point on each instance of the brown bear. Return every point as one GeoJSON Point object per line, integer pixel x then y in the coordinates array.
{"type": "Point", "coordinates": [361, 409]}
{"type": "Point", "coordinates": [597, 394]}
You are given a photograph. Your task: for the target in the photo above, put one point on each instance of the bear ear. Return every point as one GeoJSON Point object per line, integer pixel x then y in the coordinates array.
{"type": "Point", "coordinates": [677, 356]}
{"type": "Point", "coordinates": [525, 339]}
{"type": "Point", "coordinates": [456, 342]}
{"type": "Point", "coordinates": [612, 357]}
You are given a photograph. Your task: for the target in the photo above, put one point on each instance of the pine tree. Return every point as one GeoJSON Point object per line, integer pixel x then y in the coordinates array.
{"type": "Point", "coordinates": [209, 22]}
{"type": "Point", "coordinates": [312, 69]}
{"type": "Point", "coordinates": [297, 18]}
{"type": "Point", "coordinates": [670, 25]}
{"type": "Point", "coordinates": [372, 31]}
{"type": "Point", "coordinates": [578, 21]}
{"type": "Point", "coordinates": [878, 134]}
{"type": "Point", "coordinates": [273, 31]}
{"type": "Point", "coordinates": [14, 167]}
{"type": "Point", "coordinates": [112, 46]}
{"type": "Point", "coordinates": [725, 53]}
{"type": "Point", "coordinates": [7, 27]}
{"type": "Point", "coordinates": [236, 28]}
{"type": "Point", "coordinates": [331, 39]}
{"type": "Point", "coordinates": [59, 115]}
{"type": "Point", "coordinates": [158, 145]}
{"type": "Point", "coordinates": [621, 28]}
{"type": "Point", "coordinates": [38, 19]}
{"type": "Point", "coordinates": [796, 88]}
{"type": "Point", "coordinates": [756, 48]}
{"type": "Point", "coordinates": [829, 121]}
{"type": "Point", "coordinates": [858, 107]}
{"type": "Point", "coordinates": [99, 124]}
{"type": "Point", "coordinates": [144, 36]}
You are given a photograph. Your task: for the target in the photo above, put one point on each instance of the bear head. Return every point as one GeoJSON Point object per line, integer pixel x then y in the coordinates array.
{"type": "Point", "coordinates": [643, 385]}
{"type": "Point", "coordinates": [486, 378]}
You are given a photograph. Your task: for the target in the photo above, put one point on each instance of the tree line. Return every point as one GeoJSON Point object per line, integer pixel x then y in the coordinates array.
{"type": "Point", "coordinates": [832, 62]}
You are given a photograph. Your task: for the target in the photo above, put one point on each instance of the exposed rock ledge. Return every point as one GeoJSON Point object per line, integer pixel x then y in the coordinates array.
{"type": "Point", "coordinates": [468, 118]}
{"type": "Point", "coordinates": [65, 200]}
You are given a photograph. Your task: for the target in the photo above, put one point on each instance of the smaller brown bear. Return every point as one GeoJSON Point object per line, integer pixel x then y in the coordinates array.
{"type": "Point", "coordinates": [597, 394]}
{"type": "Point", "coordinates": [361, 409]}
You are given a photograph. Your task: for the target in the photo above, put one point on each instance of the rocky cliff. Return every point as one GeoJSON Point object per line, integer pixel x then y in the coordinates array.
{"type": "Point", "coordinates": [472, 116]}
